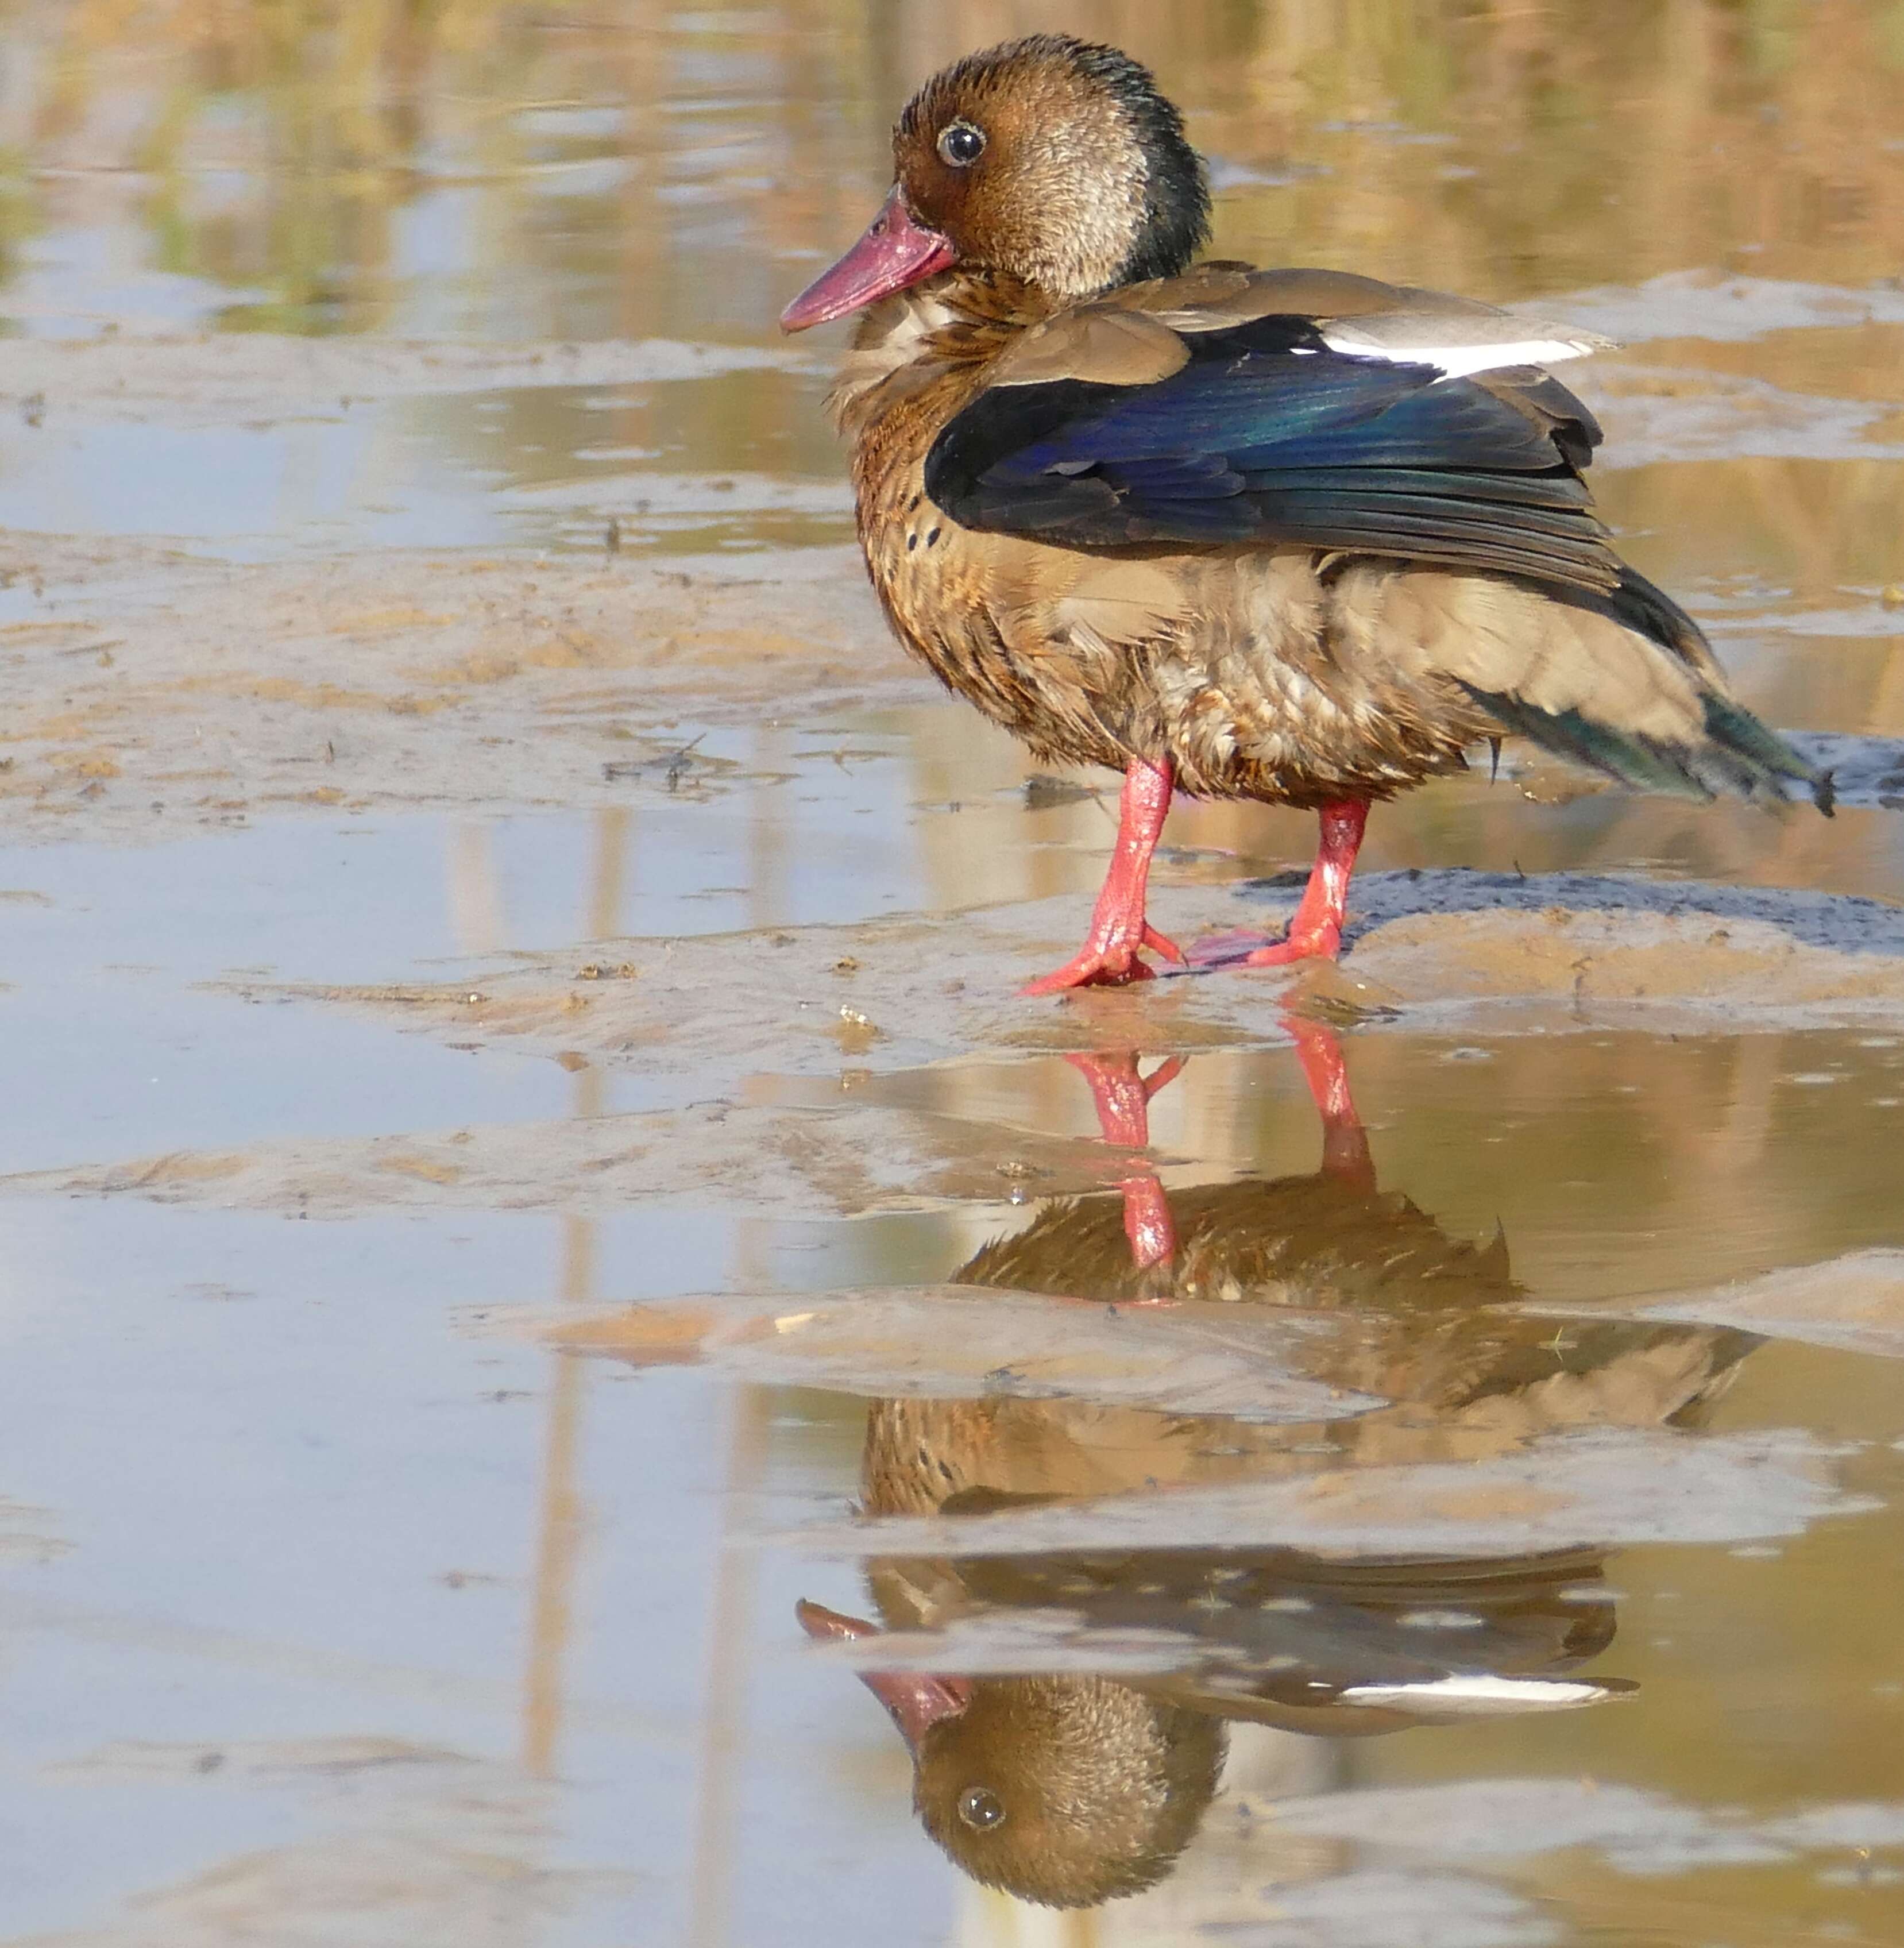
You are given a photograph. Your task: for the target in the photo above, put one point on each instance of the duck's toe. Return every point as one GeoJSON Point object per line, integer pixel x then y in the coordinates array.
{"type": "Point", "coordinates": [1241, 947]}
{"type": "Point", "coordinates": [1092, 967]}
{"type": "Point", "coordinates": [1321, 943]}
{"type": "Point", "coordinates": [1110, 960]}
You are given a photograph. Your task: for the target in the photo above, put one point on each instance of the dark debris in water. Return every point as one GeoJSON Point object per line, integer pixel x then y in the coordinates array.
{"type": "Point", "coordinates": [1044, 790]}
{"type": "Point", "coordinates": [1866, 772]}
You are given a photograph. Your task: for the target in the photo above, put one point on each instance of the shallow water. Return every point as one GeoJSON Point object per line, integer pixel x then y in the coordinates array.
{"type": "Point", "coordinates": [482, 1236]}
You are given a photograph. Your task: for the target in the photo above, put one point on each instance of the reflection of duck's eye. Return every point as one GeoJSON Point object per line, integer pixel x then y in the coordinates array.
{"type": "Point", "coordinates": [960, 144]}
{"type": "Point", "coordinates": [980, 1808]}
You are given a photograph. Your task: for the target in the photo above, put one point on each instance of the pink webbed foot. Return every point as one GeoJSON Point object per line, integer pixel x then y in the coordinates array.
{"type": "Point", "coordinates": [1109, 957]}
{"type": "Point", "coordinates": [1316, 933]}
{"type": "Point", "coordinates": [1241, 946]}
{"type": "Point", "coordinates": [1321, 943]}
{"type": "Point", "coordinates": [1108, 964]}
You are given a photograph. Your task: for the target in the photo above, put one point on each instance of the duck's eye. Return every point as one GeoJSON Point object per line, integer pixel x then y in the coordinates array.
{"type": "Point", "coordinates": [960, 144]}
{"type": "Point", "coordinates": [980, 1808]}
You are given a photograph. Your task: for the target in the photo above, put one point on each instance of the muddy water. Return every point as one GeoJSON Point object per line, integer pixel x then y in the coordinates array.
{"type": "Point", "coordinates": [524, 1167]}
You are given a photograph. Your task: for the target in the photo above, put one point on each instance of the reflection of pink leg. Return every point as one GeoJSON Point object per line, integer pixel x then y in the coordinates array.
{"type": "Point", "coordinates": [1315, 933]}
{"type": "Point", "coordinates": [1119, 928]}
{"type": "Point", "coordinates": [1345, 1142]}
{"type": "Point", "coordinates": [1123, 1095]}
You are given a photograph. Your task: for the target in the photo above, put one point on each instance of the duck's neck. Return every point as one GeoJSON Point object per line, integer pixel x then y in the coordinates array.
{"type": "Point", "coordinates": [960, 319]}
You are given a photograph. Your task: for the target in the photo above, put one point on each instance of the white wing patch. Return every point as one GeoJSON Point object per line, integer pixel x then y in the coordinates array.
{"type": "Point", "coordinates": [1477, 1696]}
{"type": "Point", "coordinates": [1455, 360]}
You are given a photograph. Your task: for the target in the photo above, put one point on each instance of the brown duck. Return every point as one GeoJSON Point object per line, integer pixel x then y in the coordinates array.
{"type": "Point", "coordinates": [1289, 535]}
{"type": "Point", "coordinates": [1070, 1787]}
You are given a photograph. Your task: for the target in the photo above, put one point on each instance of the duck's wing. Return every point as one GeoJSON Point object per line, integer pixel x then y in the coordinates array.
{"type": "Point", "coordinates": [1300, 407]}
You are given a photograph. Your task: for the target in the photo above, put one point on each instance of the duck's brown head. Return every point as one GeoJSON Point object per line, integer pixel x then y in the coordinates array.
{"type": "Point", "coordinates": [1052, 161]}
{"type": "Point", "coordinates": [1067, 1791]}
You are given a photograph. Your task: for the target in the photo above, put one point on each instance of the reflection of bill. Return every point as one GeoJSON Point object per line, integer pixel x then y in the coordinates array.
{"type": "Point", "coordinates": [1068, 1717]}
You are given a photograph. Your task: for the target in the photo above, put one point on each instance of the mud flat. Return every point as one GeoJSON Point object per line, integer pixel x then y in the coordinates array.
{"type": "Point", "coordinates": [711, 1017]}
{"type": "Point", "coordinates": [1602, 1487]}
{"type": "Point", "coordinates": [926, 988]}
{"type": "Point", "coordinates": [1855, 1302]}
{"type": "Point", "coordinates": [844, 1162]}
{"type": "Point", "coordinates": [147, 690]}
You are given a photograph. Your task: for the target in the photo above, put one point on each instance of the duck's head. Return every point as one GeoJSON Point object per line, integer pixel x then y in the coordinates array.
{"type": "Point", "coordinates": [1067, 1791]}
{"type": "Point", "coordinates": [1052, 161]}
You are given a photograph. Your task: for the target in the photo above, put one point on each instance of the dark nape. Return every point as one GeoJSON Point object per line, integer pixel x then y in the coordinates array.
{"type": "Point", "coordinates": [1176, 198]}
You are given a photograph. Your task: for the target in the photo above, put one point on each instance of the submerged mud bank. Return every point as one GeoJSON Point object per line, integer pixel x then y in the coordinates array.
{"type": "Point", "coordinates": [147, 690]}
{"type": "Point", "coordinates": [844, 1162]}
{"type": "Point", "coordinates": [925, 987]}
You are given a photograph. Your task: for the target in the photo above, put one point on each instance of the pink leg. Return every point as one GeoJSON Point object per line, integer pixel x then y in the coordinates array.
{"type": "Point", "coordinates": [1345, 1142]}
{"type": "Point", "coordinates": [1315, 933]}
{"type": "Point", "coordinates": [1118, 928]}
{"type": "Point", "coordinates": [1123, 1095]}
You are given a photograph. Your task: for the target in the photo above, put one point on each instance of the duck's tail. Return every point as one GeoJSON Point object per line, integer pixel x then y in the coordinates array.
{"type": "Point", "coordinates": [1588, 692]}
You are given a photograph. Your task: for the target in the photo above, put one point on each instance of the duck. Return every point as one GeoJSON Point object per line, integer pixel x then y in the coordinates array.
{"type": "Point", "coordinates": [1069, 1785]}
{"type": "Point", "coordinates": [1297, 537]}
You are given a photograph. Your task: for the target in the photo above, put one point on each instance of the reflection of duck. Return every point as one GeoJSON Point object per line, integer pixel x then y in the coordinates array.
{"type": "Point", "coordinates": [1070, 1785]}
{"type": "Point", "coordinates": [1292, 536]}
{"type": "Point", "coordinates": [1332, 1236]}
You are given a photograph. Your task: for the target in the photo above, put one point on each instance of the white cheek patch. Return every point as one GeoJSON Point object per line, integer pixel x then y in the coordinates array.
{"type": "Point", "coordinates": [1456, 362]}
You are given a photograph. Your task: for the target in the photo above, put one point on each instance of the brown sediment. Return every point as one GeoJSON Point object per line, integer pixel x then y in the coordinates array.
{"type": "Point", "coordinates": [929, 986]}
{"type": "Point", "coordinates": [155, 690]}
{"type": "Point", "coordinates": [844, 1162]}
